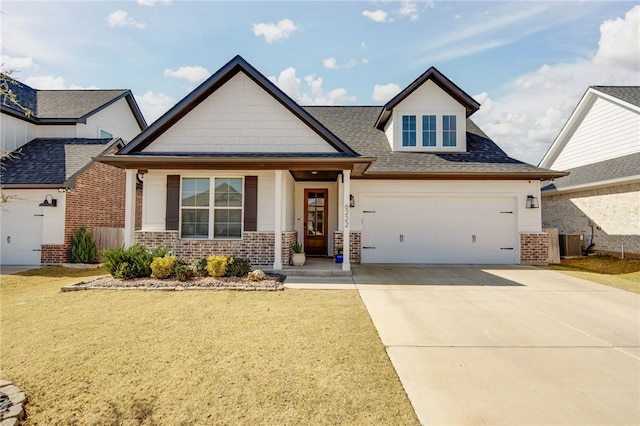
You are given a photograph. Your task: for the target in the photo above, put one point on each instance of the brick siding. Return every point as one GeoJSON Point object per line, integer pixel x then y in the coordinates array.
{"type": "Point", "coordinates": [258, 247]}
{"type": "Point", "coordinates": [97, 200]}
{"type": "Point", "coordinates": [534, 249]}
{"type": "Point", "coordinates": [355, 245]}
{"type": "Point", "coordinates": [614, 212]}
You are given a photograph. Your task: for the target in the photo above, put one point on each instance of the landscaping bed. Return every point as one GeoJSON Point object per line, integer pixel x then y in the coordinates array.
{"type": "Point", "coordinates": [272, 281]}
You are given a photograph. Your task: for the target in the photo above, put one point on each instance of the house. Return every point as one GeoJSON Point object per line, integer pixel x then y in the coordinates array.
{"type": "Point", "coordinates": [52, 184]}
{"type": "Point", "coordinates": [238, 168]}
{"type": "Point", "coordinates": [600, 146]}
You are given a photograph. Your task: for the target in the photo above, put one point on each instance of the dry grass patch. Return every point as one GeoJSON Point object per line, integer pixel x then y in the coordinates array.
{"type": "Point", "coordinates": [194, 357]}
{"type": "Point", "coordinates": [620, 273]}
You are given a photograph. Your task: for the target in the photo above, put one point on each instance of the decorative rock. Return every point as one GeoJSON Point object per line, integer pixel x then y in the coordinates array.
{"type": "Point", "coordinates": [257, 275]}
{"type": "Point", "coordinates": [10, 422]}
{"type": "Point", "coordinates": [15, 411]}
{"type": "Point", "coordinates": [12, 399]}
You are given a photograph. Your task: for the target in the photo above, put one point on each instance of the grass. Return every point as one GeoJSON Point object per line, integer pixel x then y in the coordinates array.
{"type": "Point", "coordinates": [620, 273]}
{"type": "Point", "coordinates": [194, 357]}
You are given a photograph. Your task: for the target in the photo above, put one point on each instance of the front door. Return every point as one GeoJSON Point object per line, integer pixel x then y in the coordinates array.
{"type": "Point", "coordinates": [315, 227]}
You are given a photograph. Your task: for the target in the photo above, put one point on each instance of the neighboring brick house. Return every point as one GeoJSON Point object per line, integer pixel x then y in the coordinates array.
{"type": "Point", "coordinates": [239, 168]}
{"type": "Point", "coordinates": [52, 160]}
{"type": "Point", "coordinates": [600, 147]}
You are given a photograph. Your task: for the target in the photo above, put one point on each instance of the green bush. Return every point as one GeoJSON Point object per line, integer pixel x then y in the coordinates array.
{"type": "Point", "coordinates": [238, 267]}
{"type": "Point", "coordinates": [183, 270]}
{"type": "Point", "coordinates": [133, 262]}
{"type": "Point", "coordinates": [83, 248]}
{"type": "Point", "coordinates": [162, 267]}
{"type": "Point", "coordinates": [217, 265]}
{"type": "Point", "coordinates": [200, 267]}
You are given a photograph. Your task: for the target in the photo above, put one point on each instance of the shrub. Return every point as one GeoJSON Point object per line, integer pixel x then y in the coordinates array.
{"type": "Point", "coordinates": [200, 267]}
{"type": "Point", "coordinates": [217, 265]}
{"type": "Point", "coordinates": [162, 267]}
{"type": "Point", "coordinates": [83, 248]}
{"type": "Point", "coordinates": [134, 262]}
{"type": "Point", "coordinates": [239, 267]}
{"type": "Point", "coordinates": [183, 270]}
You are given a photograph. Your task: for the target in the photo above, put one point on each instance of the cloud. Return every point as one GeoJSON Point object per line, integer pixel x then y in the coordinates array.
{"type": "Point", "coordinates": [16, 64]}
{"type": "Point", "coordinates": [153, 106]}
{"type": "Point", "coordinates": [619, 38]}
{"type": "Point", "coordinates": [194, 74]}
{"type": "Point", "coordinates": [274, 32]}
{"type": "Point", "coordinates": [49, 82]}
{"type": "Point", "coordinates": [330, 63]}
{"type": "Point", "coordinates": [377, 15]}
{"type": "Point", "coordinates": [312, 93]}
{"type": "Point", "coordinates": [120, 18]}
{"type": "Point", "coordinates": [384, 92]}
{"type": "Point", "coordinates": [410, 9]}
{"type": "Point", "coordinates": [153, 2]}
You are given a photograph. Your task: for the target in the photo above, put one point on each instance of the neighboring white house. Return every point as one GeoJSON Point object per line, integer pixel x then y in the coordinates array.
{"type": "Point", "coordinates": [600, 147]}
{"type": "Point", "coordinates": [238, 168]}
{"type": "Point", "coordinates": [52, 141]}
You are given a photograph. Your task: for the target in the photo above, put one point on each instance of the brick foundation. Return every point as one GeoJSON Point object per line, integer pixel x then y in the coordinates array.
{"type": "Point", "coordinates": [534, 249]}
{"type": "Point", "coordinates": [258, 247]}
{"type": "Point", "coordinates": [355, 245]}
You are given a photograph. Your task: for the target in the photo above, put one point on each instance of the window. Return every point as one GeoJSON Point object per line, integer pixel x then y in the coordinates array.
{"type": "Point", "coordinates": [408, 130]}
{"type": "Point", "coordinates": [227, 215]}
{"type": "Point", "coordinates": [448, 130]}
{"type": "Point", "coordinates": [105, 135]}
{"type": "Point", "coordinates": [195, 208]}
{"type": "Point", "coordinates": [428, 130]}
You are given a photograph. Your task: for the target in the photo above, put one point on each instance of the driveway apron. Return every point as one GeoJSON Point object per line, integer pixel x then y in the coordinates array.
{"type": "Point", "coordinates": [507, 345]}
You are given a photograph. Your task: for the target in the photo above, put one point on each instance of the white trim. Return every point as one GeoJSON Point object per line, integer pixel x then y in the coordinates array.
{"type": "Point", "coordinates": [277, 255]}
{"type": "Point", "coordinates": [346, 221]}
{"type": "Point", "coordinates": [130, 208]}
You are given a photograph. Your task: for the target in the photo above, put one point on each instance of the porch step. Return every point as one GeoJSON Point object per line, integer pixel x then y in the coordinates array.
{"type": "Point", "coordinates": [296, 272]}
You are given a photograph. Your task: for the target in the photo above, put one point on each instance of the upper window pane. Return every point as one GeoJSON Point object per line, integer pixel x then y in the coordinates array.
{"type": "Point", "coordinates": [448, 130]}
{"type": "Point", "coordinates": [408, 130]}
{"type": "Point", "coordinates": [428, 130]}
{"type": "Point", "coordinates": [228, 192]}
{"type": "Point", "coordinates": [195, 192]}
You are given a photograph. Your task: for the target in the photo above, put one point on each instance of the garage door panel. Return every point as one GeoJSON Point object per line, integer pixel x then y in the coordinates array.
{"type": "Point", "coordinates": [21, 233]}
{"type": "Point", "coordinates": [439, 229]}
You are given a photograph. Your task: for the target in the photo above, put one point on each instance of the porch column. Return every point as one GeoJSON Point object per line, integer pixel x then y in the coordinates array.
{"type": "Point", "coordinates": [277, 255]}
{"type": "Point", "coordinates": [130, 208]}
{"type": "Point", "coordinates": [346, 191]}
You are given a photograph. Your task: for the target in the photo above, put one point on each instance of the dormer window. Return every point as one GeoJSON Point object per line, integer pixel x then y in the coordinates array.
{"type": "Point", "coordinates": [429, 132]}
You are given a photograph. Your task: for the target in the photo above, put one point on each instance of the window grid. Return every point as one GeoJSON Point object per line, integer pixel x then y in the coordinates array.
{"type": "Point", "coordinates": [429, 130]}
{"type": "Point", "coordinates": [195, 208]}
{"type": "Point", "coordinates": [448, 130]}
{"type": "Point", "coordinates": [408, 130]}
{"type": "Point", "coordinates": [227, 214]}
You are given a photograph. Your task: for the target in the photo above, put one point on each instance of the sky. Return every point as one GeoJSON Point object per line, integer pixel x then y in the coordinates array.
{"type": "Point", "coordinates": [527, 63]}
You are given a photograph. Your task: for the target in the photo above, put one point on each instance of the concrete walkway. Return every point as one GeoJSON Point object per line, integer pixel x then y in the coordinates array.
{"type": "Point", "coordinates": [507, 345]}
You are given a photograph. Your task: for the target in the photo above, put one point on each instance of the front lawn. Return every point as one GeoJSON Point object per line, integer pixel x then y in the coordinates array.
{"type": "Point", "coordinates": [607, 270]}
{"type": "Point", "coordinates": [194, 357]}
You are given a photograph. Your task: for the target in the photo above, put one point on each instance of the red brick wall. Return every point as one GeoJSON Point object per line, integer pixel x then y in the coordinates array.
{"type": "Point", "coordinates": [534, 249]}
{"type": "Point", "coordinates": [355, 245]}
{"type": "Point", "coordinates": [97, 200]}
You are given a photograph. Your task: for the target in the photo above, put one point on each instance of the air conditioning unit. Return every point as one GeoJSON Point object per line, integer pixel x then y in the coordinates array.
{"type": "Point", "coordinates": [571, 245]}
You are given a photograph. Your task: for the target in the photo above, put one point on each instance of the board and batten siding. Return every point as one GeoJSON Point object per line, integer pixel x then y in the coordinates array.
{"type": "Point", "coordinates": [240, 117]}
{"type": "Point", "coordinates": [607, 131]}
{"type": "Point", "coordinates": [15, 132]}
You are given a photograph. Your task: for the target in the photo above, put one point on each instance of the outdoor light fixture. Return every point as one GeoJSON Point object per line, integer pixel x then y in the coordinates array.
{"type": "Point", "coordinates": [352, 201]}
{"type": "Point", "coordinates": [532, 202]}
{"type": "Point", "coordinates": [47, 203]}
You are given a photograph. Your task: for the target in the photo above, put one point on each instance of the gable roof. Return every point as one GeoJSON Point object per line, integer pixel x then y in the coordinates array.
{"type": "Point", "coordinates": [625, 96]}
{"type": "Point", "coordinates": [598, 174]}
{"type": "Point", "coordinates": [483, 159]}
{"type": "Point", "coordinates": [64, 106]}
{"type": "Point", "coordinates": [470, 104]}
{"type": "Point", "coordinates": [213, 83]}
{"type": "Point", "coordinates": [51, 162]}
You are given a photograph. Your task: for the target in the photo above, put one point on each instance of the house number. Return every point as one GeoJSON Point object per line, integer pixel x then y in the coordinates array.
{"type": "Point", "coordinates": [346, 215]}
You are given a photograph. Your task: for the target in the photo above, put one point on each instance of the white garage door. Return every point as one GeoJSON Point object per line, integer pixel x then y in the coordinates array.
{"type": "Point", "coordinates": [21, 231]}
{"type": "Point", "coordinates": [432, 229]}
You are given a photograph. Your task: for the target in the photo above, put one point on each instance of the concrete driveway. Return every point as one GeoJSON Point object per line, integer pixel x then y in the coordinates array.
{"type": "Point", "coordinates": [507, 345]}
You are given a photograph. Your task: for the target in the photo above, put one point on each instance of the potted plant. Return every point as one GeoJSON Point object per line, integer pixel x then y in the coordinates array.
{"type": "Point", "coordinates": [297, 257]}
{"type": "Point", "coordinates": [339, 257]}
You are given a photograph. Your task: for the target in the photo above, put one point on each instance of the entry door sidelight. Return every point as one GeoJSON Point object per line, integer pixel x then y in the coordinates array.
{"type": "Point", "coordinates": [315, 226]}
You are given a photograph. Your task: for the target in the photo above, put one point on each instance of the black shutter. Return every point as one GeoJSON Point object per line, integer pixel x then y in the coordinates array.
{"type": "Point", "coordinates": [172, 218]}
{"type": "Point", "coordinates": [251, 203]}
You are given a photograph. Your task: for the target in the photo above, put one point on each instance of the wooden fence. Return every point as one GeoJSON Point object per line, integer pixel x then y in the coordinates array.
{"type": "Point", "coordinates": [108, 237]}
{"type": "Point", "coordinates": [554, 244]}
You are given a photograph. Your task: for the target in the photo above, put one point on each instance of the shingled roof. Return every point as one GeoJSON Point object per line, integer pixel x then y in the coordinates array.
{"type": "Point", "coordinates": [51, 162]}
{"type": "Point", "coordinates": [355, 125]}
{"type": "Point", "coordinates": [64, 106]}
{"type": "Point", "coordinates": [630, 94]}
{"type": "Point", "coordinates": [627, 166]}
